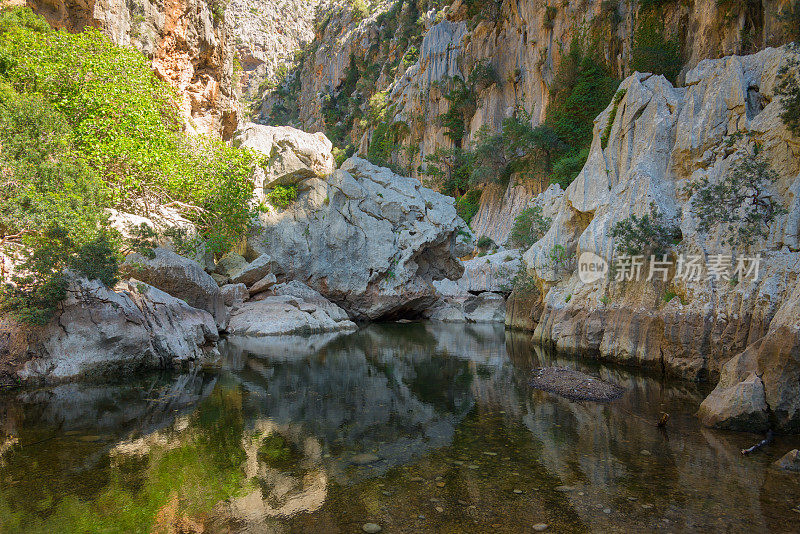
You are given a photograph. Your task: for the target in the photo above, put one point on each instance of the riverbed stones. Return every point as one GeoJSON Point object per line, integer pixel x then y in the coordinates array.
{"type": "Point", "coordinates": [574, 385]}
{"type": "Point", "coordinates": [180, 277]}
{"type": "Point", "coordinates": [790, 461]}
{"type": "Point", "coordinates": [364, 459]}
{"type": "Point", "coordinates": [265, 283]}
{"type": "Point", "coordinates": [371, 528]}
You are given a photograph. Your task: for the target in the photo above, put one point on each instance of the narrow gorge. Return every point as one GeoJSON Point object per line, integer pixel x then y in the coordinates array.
{"type": "Point", "coordinates": [399, 265]}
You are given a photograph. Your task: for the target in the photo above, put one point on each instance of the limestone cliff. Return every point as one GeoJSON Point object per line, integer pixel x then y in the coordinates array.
{"type": "Point", "coordinates": [189, 42]}
{"type": "Point", "coordinates": [661, 138]}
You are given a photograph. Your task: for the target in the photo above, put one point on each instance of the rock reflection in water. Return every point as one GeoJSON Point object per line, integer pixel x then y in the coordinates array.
{"type": "Point", "coordinates": [412, 426]}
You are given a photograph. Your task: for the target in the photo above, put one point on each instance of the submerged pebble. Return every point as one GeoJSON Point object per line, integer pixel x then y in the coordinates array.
{"type": "Point", "coordinates": [371, 528]}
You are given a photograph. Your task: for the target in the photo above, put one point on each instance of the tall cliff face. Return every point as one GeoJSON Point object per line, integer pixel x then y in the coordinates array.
{"type": "Point", "coordinates": [741, 327]}
{"type": "Point", "coordinates": [188, 41]}
{"type": "Point", "coordinates": [268, 35]}
{"type": "Point", "coordinates": [523, 40]}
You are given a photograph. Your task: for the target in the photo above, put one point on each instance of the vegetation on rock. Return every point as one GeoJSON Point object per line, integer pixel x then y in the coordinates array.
{"type": "Point", "coordinates": [529, 227]}
{"type": "Point", "coordinates": [86, 125]}
{"type": "Point", "coordinates": [650, 234]}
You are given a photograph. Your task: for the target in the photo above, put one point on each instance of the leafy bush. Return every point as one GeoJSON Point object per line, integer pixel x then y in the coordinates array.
{"type": "Point", "coordinates": [645, 235]}
{"type": "Point", "coordinates": [652, 52]}
{"type": "Point", "coordinates": [559, 259]}
{"type": "Point", "coordinates": [467, 205]}
{"type": "Point", "coordinates": [282, 196]}
{"type": "Point", "coordinates": [529, 227]}
{"type": "Point", "coordinates": [450, 169]}
{"type": "Point", "coordinates": [741, 202]}
{"type": "Point", "coordinates": [359, 8]}
{"type": "Point", "coordinates": [86, 125]}
{"type": "Point", "coordinates": [611, 116]}
{"type": "Point", "coordinates": [485, 242]}
{"type": "Point", "coordinates": [789, 90]}
{"type": "Point", "coordinates": [567, 168]}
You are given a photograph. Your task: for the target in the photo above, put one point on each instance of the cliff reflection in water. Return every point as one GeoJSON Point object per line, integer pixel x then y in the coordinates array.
{"type": "Point", "coordinates": [413, 426]}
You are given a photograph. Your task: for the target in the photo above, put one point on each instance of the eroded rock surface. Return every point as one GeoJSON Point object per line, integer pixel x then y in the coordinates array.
{"type": "Point", "coordinates": [100, 332]}
{"type": "Point", "coordinates": [369, 240]}
{"type": "Point", "coordinates": [660, 138]}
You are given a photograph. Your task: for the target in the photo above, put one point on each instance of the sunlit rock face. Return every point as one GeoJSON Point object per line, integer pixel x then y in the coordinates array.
{"type": "Point", "coordinates": [99, 333]}
{"type": "Point", "coordinates": [661, 138]}
{"type": "Point", "coordinates": [369, 240]}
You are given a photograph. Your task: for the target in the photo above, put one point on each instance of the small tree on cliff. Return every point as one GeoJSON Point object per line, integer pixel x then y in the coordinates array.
{"type": "Point", "coordinates": [742, 201]}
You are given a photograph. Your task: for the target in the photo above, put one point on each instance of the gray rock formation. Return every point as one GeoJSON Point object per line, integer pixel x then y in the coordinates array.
{"type": "Point", "coordinates": [661, 137]}
{"type": "Point", "coordinates": [181, 278]}
{"type": "Point", "coordinates": [367, 239]}
{"type": "Point", "coordinates": [100, 332]}
{"type": "Point", "coordinates": [291, 155]}
{"type": "Point", "coordinates": [289, 309]}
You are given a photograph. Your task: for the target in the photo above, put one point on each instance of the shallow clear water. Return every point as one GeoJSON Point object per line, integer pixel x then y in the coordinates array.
{"type": "Point", "coordinates": [416, 427]}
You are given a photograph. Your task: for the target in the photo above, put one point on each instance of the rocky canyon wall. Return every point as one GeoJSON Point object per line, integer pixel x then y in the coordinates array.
{"type": "Point", "coordinates": [189, 42]}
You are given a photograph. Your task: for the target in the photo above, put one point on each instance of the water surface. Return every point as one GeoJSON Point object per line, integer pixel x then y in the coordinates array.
{"type": "Point", "coordinates": [416, 427]}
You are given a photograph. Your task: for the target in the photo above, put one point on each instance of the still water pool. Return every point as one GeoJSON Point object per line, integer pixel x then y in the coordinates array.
{"type": "Point", "coordinates": [414, 427]}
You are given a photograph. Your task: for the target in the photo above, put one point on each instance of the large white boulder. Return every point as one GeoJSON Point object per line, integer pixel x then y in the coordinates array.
{"type": "Point", "coordinates": [366, 238]}
{"type": "Point", "coordinates": [180, 277]}
{"type": "Point", "coordinates": [101, 332]}
{"type": "Point", "coordinates": [289, 155]}
{"type": "Point", "coordinates": [291, 308]}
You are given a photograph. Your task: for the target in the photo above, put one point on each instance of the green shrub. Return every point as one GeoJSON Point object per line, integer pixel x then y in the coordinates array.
{"type": "Point", "coordinates": [559, 259]}
{"type": "Point", "coordinates": [611, 116]}
{"type": "Point", "coordinates": [652, 51]}
{"type": "Point", "coordinates": [529, 227]}
{"type": "Point", "coordinates": [485, 242]}
{"type": "Point", "coordinates": [467, 205]}
{"type": "Point", "coordinates": [741, 202]}
{"type": "Point", "coordinates": [646, 235]}
{"type": "Point", "coordinates": [360, 9]}
{"type": "Point", "coordinates": [567, 168]}
{"type": "Point", "coordinates": [789, 90]}
{"type": "Point", "coordinates": [282, 196]}
{"type": "Point", "coordinates": [86, 125]}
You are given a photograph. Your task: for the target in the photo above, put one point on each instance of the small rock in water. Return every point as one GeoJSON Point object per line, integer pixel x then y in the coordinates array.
{"type": "Point", "coordinates": [364, 459]}
{"type": "Point", "coordinates": [606, 510]}
{"type": "Point", "coordinates": [517, 491]}
{"type": "Point", "coordinates": [415, 479]}
{"type": "Point", "coordinates": [473, 466]}
{"type": "Point", "coordinates": [540, 527]}
{"type": "Point", "coordinates": [647, 506]}
{"type": "Point", "coordinates": [632, 499]}
{"type": "Point", "coordinates": [644, 452]}
{"type": "Point", "coordinates": [440, 484]}
{"type": "Point", "coordinates": [371, 528]}
{"type": "Point", "coordinates": [439, 509]}
{"type": "Point", "coordinates": [489, 453]}
{"type": "Point", "coordinates": [565, 488]}
{"type": "Point", "coordinates": [386, 493]}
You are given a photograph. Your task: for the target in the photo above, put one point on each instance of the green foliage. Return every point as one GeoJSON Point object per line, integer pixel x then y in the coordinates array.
{"type": "Point", "coordinates": [652, 51]}
{"type": "Point", "coordinates": [550, 16]}
{"type": "Point", "coordinates": [40, 283]}
{"type": "Point", "coordinates": [411, 56]}
{"type": "Point", "coordinates": [742, 202]}
{"type": "Point", "coordinates": [467, 205]}
{"type": "Point", "coordinates": [789, 90]}
{"type": "Point", "coordinates": [582, 90]}
{"type": "Point", "coordinates": [462, 97]}
{"type": "Point", "coordinates": [282, 196]}
{"type": "Point", "coordinates": [86, 125]}
{"type": "Point", "coordinates": [450, 170]}
{"type": "Point", "coordinates": [567, 168]}
{"type": "Point", "coordinates": [645, 235]}
{"type": "Point", "coordinates": [485, 242]}
{"type": "Point", "coordinates": [559, 259]}
{"type": "Point", "coordinates": [359, 9]}
{"type": "Point", "coordinates": [529, 227]}
{"type": "Point", "coordinates": [607, 130]}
